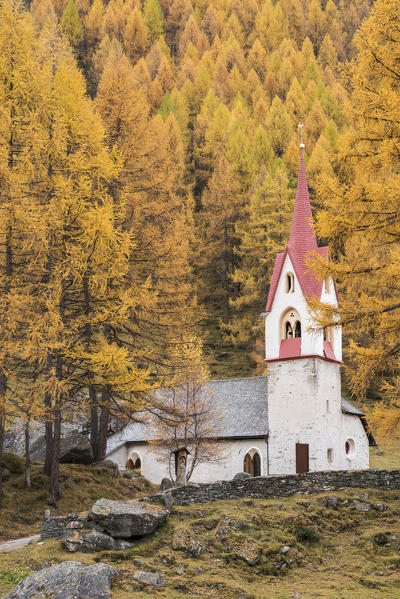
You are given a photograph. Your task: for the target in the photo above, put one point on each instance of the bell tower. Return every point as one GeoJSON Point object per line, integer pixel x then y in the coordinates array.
{"type": "Point", "coordinates": [304, 387]}
{"type": "Point", "coordinates": [287, 321]}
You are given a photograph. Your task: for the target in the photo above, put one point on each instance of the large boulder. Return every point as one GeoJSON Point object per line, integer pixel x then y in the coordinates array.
{"type": "Point", "coordinates": [75, 448]}
{"type": "Point", "coordinates": [92, 541]}
{"type": "Point", "coordinates": [127, 519]}
{"type": "Point", "coordinates": [66, 581]}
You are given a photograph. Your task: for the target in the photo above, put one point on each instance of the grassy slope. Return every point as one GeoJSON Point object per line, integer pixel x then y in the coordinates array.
{"type": "Point", "coordinates": [22, 510]}
{"type": "Point", "coordinates": [343, 564]}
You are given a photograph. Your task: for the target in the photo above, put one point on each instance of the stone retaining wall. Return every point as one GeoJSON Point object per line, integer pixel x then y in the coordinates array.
{"type": "Point", "coordinates": [280, 486]}
{"type": "Point", "coordinates": [57, 526]}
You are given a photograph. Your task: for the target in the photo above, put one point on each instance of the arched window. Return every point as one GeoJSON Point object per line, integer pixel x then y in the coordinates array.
{"type": "Point", "coordinates": [252, 463]}
{"type": "Point", "coordinates": [291, 324]}
{"type": "Point", "coordinates": [289, 283]}
{"type": "Point", "coordinates": [134, 462]}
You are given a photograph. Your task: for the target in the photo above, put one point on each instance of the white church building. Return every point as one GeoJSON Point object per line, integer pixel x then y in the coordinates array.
{"type": "Point", "coordinates": [294, 419]}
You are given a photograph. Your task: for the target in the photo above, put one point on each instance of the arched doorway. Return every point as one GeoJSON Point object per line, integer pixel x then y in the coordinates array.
{"type": "Point", "coordinates": [134, 462]}
{"type": "Point", "coordinates": [252, 463]}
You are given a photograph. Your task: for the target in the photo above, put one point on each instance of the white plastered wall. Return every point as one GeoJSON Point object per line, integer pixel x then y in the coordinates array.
{"type": "Point", "coordinates": [311, 341]}
{"type": "Point", "coordinates": [232, 452]}
{"type": "Point", "coordinates": [304, 406]}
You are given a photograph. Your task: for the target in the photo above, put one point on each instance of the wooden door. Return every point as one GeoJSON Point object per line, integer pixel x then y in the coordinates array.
{"type": "Point", "coordinates": [302, 458]}
{"type": "Point", "coordinates": [248, 464]}
{"type": "Point", "coordinates": [256, 465]}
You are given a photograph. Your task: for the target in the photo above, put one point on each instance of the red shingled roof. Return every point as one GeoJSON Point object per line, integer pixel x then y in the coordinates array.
{"type": "Point", "coordinates": [302, 242]}
{"type": "Point", "coordinates": [290, 347]}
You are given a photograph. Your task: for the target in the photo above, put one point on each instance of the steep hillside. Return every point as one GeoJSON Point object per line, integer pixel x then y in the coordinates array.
{"type": "Point", "coordinates": [299, 548]}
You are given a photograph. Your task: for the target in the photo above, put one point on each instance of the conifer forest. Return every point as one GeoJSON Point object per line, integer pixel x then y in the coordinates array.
{"type": "Point", "coordinates": [149, 152]}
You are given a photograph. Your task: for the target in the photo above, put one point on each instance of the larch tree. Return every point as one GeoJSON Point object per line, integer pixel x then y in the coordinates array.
{"type": "Point", "coordinates": [20, 130]}
{"type": "Point", "coordinates": [154, 19]}
{"type": "Point", "coordinates": [361, 217]}
{"type": "Point", "coordinates": [263, 232]}
{"type": "Point", "coordinates": [156, 208]}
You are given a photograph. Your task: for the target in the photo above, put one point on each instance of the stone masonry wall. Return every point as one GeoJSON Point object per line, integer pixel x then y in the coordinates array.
{"type": "Point", "coordinates": [57, 526]}
{"type": "Point", "coordinates": [280, 486]}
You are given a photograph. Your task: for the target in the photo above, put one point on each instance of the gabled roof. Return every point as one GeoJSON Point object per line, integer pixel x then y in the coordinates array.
{"type": "Point", "coordinates": [302, 242]}
{"type": "Point", "coordinates": [242, 404]}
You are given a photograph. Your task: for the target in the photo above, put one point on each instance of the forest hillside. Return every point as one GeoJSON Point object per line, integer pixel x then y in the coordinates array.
{"type": "Point", "coordinates": [231, 80]}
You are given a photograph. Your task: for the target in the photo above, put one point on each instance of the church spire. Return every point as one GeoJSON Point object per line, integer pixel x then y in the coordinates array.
{"type": "Point", "coordinates": [302, 236]}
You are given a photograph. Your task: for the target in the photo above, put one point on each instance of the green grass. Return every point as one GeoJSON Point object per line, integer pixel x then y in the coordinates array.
{"type": "Point", "coordinates": [343, 564]}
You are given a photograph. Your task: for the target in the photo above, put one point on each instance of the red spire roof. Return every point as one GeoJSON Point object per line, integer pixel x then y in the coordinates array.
{"type": "Point", "coordinates": [302, 237]}
{"type": "Point", "coordinates": [302, 242]}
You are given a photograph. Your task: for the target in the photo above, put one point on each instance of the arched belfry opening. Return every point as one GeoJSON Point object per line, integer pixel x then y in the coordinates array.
{"type": "Point", "coordinates": [291, 324]}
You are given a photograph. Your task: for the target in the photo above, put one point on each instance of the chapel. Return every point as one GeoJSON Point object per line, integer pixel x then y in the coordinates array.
{"type": "Point", "coordinates": [294, 419]}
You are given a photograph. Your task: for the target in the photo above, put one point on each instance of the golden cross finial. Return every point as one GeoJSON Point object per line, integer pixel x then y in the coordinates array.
{"type": "Point", "coordinates": [301, 126]}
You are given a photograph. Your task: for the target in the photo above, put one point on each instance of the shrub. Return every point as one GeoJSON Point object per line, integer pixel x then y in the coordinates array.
{"type": "Point", "coordinates": [14, 463]}
{"type": "Point", "coordinates": [306, 534]}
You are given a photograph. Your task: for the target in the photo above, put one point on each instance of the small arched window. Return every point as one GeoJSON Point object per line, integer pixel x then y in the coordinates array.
{"type": "Point", "coordinates": [350, 448]}
{"type": "Point", "coordinates": [289, 283]}
{"type": "Point", "coordinates": [297, 329]}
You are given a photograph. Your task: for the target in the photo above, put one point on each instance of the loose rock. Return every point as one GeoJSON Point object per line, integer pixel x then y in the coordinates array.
{"type": "Point", "coordinates": [183, 541]}
{"type": "Point", "coordinates": [166, 483]}
{"type": "Point", "coordinates": [127, 519]}
{"type": "Point", "coordinates": [331, 502]}
{"type": "Point", "coordinates": [155, 579]}
{"type": "Point", "coordinates": [92, 541]}
{"type": "Point", "coordinates": [168, 500]}
{"type": "Point", "coordinates": [244, 549]}
{"type": "Point", "coordinates": [361, 506]}
{"type": "Point", "coordinates": [66, 581]}
{"type": "Point", "coordinates": [383, 539]}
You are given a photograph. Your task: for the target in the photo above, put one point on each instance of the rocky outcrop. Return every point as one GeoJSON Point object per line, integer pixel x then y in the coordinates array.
{"type": "Point", "coordinates": [75, 448]}
{"type": "Point", "coordinates": [127, 519]}
{"type": "Point", "coordinates": [243, 549]}
{"type": "Point", "coordinates": [92, 541]}
{"type": "Point", "coordinates": [185, 540]}
{"type": "Point", "coordinates": [66, 581]}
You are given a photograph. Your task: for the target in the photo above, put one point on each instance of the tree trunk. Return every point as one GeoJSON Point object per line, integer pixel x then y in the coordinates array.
{"type": "Point", "coordinates": [48, 436]}
{"type": "Point", "coordinates": [27, 456]}
{"type": "Point", "coordinates": [55, 487]}
{"type": "Point", "coordinates": [94, 422]}
{"type": "Point", "coordinates": [2, 426]}
{"type": "Point", "coordinates": [103, 428]}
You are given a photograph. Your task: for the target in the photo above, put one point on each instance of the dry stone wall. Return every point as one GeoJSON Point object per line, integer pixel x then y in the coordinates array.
{"type": "Point", "coordinates": [280, 486]}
